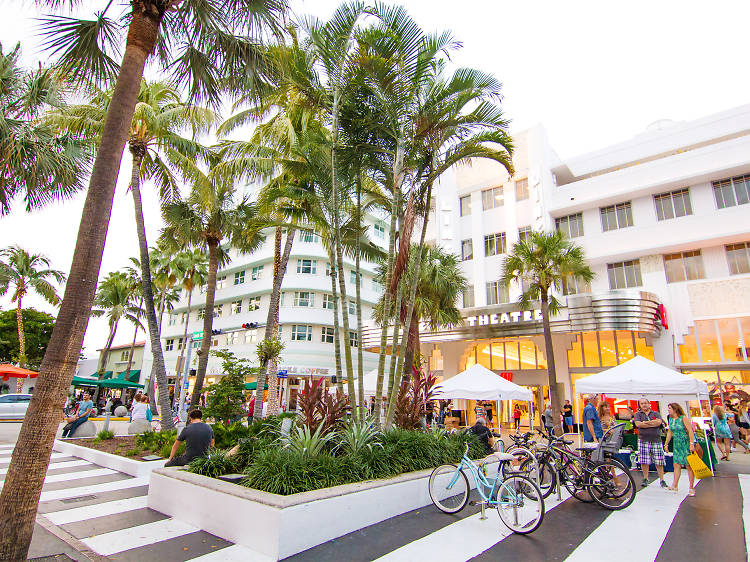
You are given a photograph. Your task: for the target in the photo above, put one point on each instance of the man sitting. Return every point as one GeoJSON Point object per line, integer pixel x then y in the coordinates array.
{"type": "Point", "coordinates": [85, 409]}
{"type": "Point", "coordinates": [197, 436]}
{"type": "Point", "coordinates": [483, 434]}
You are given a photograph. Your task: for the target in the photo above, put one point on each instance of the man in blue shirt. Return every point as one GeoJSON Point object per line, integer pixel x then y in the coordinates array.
{"type": "Point", "coordinates": [85, 409]}
{"type": "Point", "coordinates": [592, 425]}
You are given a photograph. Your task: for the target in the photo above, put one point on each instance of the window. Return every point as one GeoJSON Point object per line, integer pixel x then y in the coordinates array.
{"type": "Point", "coordinates": [524, 233]}
{"type": "Point", "coordinates": [218, 310]}
{"type": "Point", "coordinates": [494, 244]}
{"type": "Point", "coordinates": [253, 304]}
{"type": "Point", "coordinates": [465, 205]}
{"type": "Point", "coordinates": [328, 269]}
{"type": "Point", "coordinates": [307, 266]}
{"type": "Point", "coordinates": [732, 192]}
{"type": "Point", "coordinates": [251, 336]}
{"type": "Point", "coordinates": [738, 256]}
{"type": "Point", "coordinates": [201, 313]}
{"type": "Point", "coordinates": [310, 237]}
{"type": "Point", "coordinates": [172, 319]}
{"type": "Point", "coordinates": [301, 333]}
{"type": "Point", "coordinates": [571, 226]}
{"type": "Point", "coordinates": [183, 317]}
{"type": "Point", "coordinates": [379, 231]}
{"type": "Point", "coordinates": [522, 189]}
{"type": "Point", "coordinates": [492, 198]}
{"type": "Point", "coordinates": [233, 338]}
{"type": "Point", "coordinates": [674, 204]}
{"type": "Point", "coordinates": [468, 296]}
{"type": "Point", "coordinates": [684, 266]}
{"type": "Point", "coordinates": [328, 301]}
{"type": "Point", "coordinates": [179, 344]}
{"type": "Point", "coordinates": [467, 250]}
{"type": "Point", "coordinates": [304, 298]}
{"type": "Point", "coordinates": [281, 298]}
{"type": "Point", "coordinates": [376, 286]}
{"type": "Point", "coordinates": [221, 281]}
{"type": "Point", "coordinates": [169, 345]}
{"type": "Point", "coordinates": [497, 293]}
{"type": "Point", "coordinates": [235, 307]}
{"type": "Point", "coordinates": [616, 216]}
{"type": "Point", "coordinates": [574, 285]}
{"type": "Point", "coordinates": [353, 339]}
{"type": "Point", "coordinates": [256, 273]}
{"type": "Point", "coordinates": [624, 274]}
{"type": "Point", "coordinates": [124, 355]}
{"type": "Point", "coordinates": [353, 277]}
{"type": "Point", "coordinates": [239, 277]}
{"type": "Point", "coordinates": [352, 307]}
{"type": "Point", "coordinates": [326, 335]}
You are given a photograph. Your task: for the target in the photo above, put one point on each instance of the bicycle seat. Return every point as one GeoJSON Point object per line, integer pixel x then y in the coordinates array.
{"type": "Point", "coordinates": [498, 457]}
{"type": "Point", "coordinates": [567, 442]}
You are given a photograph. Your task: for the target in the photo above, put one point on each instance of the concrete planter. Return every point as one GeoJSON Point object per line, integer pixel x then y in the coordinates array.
{"type": "Point", "coordinates": [140, 469]}
{"type": "Point", "coordinates": [269, 523]}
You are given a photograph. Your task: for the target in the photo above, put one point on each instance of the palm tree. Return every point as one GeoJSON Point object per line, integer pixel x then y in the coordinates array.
{"type": "Point", "coordinates": [211, 47]}
{"type": "Point", "coordinates": [213, 218]}
{"type": "Point", "coordinates": [35, 161]}
{"type": "Point", "coordinates": [192, 266]}
{"type": "Point", "coordinates": [134, 276]}
{"type": "Point", "coordinates": [542, 261]}
{"type": "Point", "coordinates": [27, 272]}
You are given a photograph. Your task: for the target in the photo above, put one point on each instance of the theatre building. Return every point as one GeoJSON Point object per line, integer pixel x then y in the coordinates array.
{"type": "Point", "coordinates": [664, 220]}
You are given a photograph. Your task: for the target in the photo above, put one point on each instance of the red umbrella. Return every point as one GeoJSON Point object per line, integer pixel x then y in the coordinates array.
{"type": "Point", "coordinates": [7, 370]}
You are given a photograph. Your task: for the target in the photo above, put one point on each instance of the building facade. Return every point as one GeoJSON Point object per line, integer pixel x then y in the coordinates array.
{"type": "Point", "coordinates": [664, 220]}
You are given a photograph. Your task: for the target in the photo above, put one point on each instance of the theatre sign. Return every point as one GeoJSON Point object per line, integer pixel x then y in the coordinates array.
{"type": "Point", "coordinates": [514, 316]}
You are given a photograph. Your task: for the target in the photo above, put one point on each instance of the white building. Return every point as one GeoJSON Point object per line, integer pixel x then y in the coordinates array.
{"type": "Point", "coordinates": [664, 219]}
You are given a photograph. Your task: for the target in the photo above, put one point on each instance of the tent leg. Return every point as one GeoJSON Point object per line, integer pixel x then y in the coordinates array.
{"type": "Point", "coordinates": [575, 399]}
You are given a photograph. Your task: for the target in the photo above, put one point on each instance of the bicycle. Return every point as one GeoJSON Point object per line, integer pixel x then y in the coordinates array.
{"type": "Point", "coordinates": [518, 500]}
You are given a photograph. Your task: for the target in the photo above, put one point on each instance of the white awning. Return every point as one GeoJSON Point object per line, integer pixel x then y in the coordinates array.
{"type": "Point", "coordinates": [479, 383]}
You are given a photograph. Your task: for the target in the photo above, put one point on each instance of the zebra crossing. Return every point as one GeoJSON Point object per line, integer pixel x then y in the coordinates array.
{"type": "Point", "coordinates": [107, 512]}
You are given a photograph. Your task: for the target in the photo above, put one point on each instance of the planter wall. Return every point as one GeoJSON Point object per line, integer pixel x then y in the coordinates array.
{"type": "Point", "coordinates": [140, 469]}
{"type": "Point", "coordinates": [269, 523]}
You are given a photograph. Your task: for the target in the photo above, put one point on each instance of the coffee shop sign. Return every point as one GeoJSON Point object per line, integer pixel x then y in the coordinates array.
{"type": "Point", "coordinates": [514, 317]}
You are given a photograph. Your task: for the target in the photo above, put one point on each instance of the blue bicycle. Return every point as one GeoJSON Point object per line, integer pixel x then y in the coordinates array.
{"type": "Point", "coordinates": [518, 500]}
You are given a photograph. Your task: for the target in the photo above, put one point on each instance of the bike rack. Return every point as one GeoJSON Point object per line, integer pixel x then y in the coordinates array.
{"type": "Point", "coordinates": [533, 458]}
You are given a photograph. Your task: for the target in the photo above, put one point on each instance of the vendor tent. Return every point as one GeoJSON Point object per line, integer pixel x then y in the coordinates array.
{"type": "Point", "coordinates": [7, 370]}
{"type": "Point", "coordinates": [479, 383]}
{"type": "Point", "coordinates": [643, 378]}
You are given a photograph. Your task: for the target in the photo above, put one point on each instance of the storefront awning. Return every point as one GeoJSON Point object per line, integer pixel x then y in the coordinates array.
{"type": "Point", "coordinates": [253, 386]}
{"type": "Point", "coordinates": [104, 383]}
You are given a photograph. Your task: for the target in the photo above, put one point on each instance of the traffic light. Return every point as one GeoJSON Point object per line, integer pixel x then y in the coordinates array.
{"type": "Point", "coordinates": [215, 332]}
{"type": "Point", "coordinates": [250, 325]}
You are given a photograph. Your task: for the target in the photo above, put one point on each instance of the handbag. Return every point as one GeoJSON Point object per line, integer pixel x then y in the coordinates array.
{"type": "Point", "coordinates": [149, 415]}
{"type": "Point", "coordinates": [699, 467]}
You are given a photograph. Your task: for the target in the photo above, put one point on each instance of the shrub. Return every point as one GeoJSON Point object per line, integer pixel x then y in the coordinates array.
{"type": "Point", "coordinates": [358, 435]}
{"type": "Point", "coordinates": [317, 407]}
{"type": "Point", "coordinates": [214, 464]}
{"type": "Point", "coordinates": [227, 436]}
{"type": "Point", "coordinates": [249, 449]}
{"type": "Point", "coordinates": [133, 452]}
{"type": "Point", "coordinates": [166, 450]}
{"type": "Point", "coordinates": [307, 443]}
{"type": "Point", "coordinates": [411, 399]}
{"type": "Point", "coordinates": [104, 435]}
{"type": "Point", "coordinates": [155, 440]}
{"type": "Point", "coordinates": [225, 399]}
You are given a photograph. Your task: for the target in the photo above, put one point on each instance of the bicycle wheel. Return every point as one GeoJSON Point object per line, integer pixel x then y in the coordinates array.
{"type": "Point", "coordinates": [449, 488]}
{"type": "Point", "coordinates": [546, 478]}
{"type": "Point", "coordinates": [515, 467]}
{"type": "Point", "coordinates": [574, 480]}
{"type": "Point", "coordinates": [611, 485]}
{"type": "Point", "coordinates": [520, 505]}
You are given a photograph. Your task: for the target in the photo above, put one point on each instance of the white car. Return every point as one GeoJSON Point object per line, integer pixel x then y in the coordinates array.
{"type": "Point", "coordinates": [13, 406]}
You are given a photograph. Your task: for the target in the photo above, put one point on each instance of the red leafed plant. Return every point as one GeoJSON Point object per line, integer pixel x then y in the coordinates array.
{"type": "Point", "coordinates": [411, 400]}
{"type": "Point", "coordinates": [318, 407]}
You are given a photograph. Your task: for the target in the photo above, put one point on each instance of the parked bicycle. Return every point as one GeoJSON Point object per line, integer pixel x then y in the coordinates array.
{"type": "Point", "coordinates": [518, 500]}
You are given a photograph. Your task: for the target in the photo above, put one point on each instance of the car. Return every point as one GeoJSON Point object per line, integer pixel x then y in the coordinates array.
{"type": "Point", "coordinates": [13, 406]}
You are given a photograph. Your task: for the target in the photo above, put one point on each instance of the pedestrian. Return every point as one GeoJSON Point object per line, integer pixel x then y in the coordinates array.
{"type": "Point", "coordinates": [650, 450]}
{"type": "Point", "coordinates": [198, 438]}
{"type": "Point", "coordinates": [138, 411]}
{"type": "Point", "coordinates": [483, 434]}
{"type": "Point", "coordinates": [722, 431]}
{"type": "Point", "coordinates": [480, 411]}
{"type": "Point", "coordinates": [549, 419]}
{"type": "Point", "coordinates": [517, 417]}
{"type": "Point", "coordinates": [605, 416]}
{"type": "Point", "coordinates": [85, 409]}
{"type": "Point", "coordinates": [732, 417]}
{"type": "Point", "coordinates": [488, 411]}
{"type": "Point", "coordinates": [567, 413]}
{"type": "Point", "coordinates": [592, 425]}
{"type": "Point", "coordinates": [429, 411]}
{"type": "Point", "coordinates": [743, 421]}
{"type": "Point", "coordinates": [682, 430]}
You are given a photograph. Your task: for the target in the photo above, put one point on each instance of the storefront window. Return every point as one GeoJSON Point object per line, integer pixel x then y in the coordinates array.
{"type": "Point", "coordinates": [575, 355]}
{"type": "Point", "coordinates": [483, 356]}
{"type": "Point", "coordinates": [708, 341]}
{"type": "Point", "coordinates": [498, 356]}
{"type": "Point", "coordinates": [689, 349]}
{"type": "Point", "coordinates": [528, 354]}
{"type": "Point", "coordinates": [730, 339]}
{"type": "Point", "coordinates": [625, 347]}
{"type": "Point", "coordinates": [590, 350]}
{"type": "Point", "coordinates": [511, 355]}
{"type": "Point", "coordinates": [745, 329]}
{"type": "Point", "coordinates": [643, 349]}
{"type": "Point", "coordinates": [725, 339]}
{"type": "Point", "coordinates": [589, 346]}
{"type": "Point", "coordinates": [607, 347]}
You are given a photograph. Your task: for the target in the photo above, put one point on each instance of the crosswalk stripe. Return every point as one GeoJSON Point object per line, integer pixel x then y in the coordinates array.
{"type": "Point", "coordinates": [75, 475]}
{"type": "Point", "coordinates": [140, 535]}
{"type": "Point", "coordinates": [8, 446]}
{"type": "Point", "coordinates": [6, 457]}
{"type": "Point", "coordinates": [463, 539]}
{"type": "Point", "coordinates": [93, 489]}
{"type": "Point", "coordinates": [745, 489]}
{"type": "Point", "coordinates": [56, 466]}
{"type": "Point", "coordinates": [234, 553]}
{"type": "Point", "coordinates": [648, 518]}
{"type": "Point", "coordinates": [97, 510]}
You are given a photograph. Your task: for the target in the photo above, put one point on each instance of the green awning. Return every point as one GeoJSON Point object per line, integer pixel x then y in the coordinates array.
{"type": "Point", "coordinates": [105, 383]}
{"type": "Point", "coordinates": [83, 381]}
{"type": "Point", "coordinates": [108, 374]}
{"type": "Point", "coordinates": [253, 386]}
{"type": "Point", "coordinates": [133, 375]}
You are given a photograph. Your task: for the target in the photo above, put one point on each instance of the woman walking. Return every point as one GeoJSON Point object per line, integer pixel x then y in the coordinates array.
{"type": "Point", "coordinates": [681, 429]}
{"type": "Point", "coordinates": [722, 431]}
{"type": "Point", "coordinates": [733, 422]}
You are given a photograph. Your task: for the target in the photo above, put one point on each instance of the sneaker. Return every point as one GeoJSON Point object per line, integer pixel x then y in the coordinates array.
{"type": "Point", "coordinates": [644, 483]}
{"type": "Point", "coordinates": [664, 484]}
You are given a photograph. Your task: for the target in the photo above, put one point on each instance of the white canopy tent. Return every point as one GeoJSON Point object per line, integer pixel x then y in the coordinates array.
{"type": "Point", "coordinates": [479, 383]}
{"type": "Point", "coordinates": [642, 378]}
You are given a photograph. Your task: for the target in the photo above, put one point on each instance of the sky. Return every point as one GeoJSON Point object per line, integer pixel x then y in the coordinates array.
{"type": "Point", "coordinates": [593, 73]}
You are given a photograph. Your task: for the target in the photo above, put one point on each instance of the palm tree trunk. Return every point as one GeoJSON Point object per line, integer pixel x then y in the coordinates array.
{"type": "Point", "coordinates": [410, 302]}
{"type": "Point", "coordinates": [336, 327]}
{"type": "Point", "coordinates": [21, 344]}
{"type": "Point", "coordinates": [411, 345]}
{"type": "Point", "coordinates": [358, 300]}
{"type": "Point", "coordinates": [345, 319]}
{"type": "Point", "coordinates": [147, 286]}
{"type": "Point", "coordinates": [23, 482]}
{"type": "Point", "coordinates": [208, 321]}
{"type": "Point", "coordinates": [132, 345]}
{"type": "Point", "coordinates": [551, 371]}
{"type": "Point", "coordinates": [180, 366]}
{"type": "Point", "coordinates": [152, 373]}
{"type": "Point", "coordinates": [105, 357]}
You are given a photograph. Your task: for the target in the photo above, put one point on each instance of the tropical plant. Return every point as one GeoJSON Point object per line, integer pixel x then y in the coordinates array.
{"type": "Point", "coordinates": [358, 435]}
{"type": "Point", "coordinates": [213, 464]}
{"type": "Point", "coordinates": [541, 262]}
{"type": "Point", "coordinates": [212, 48]}
{"type": "Point", "coordinates": [37, 329]}
{"type": "Point", "coordinates": [21, 273]}
{"type": "Point", "coordinates": [320, 409]}
{"type": "Point", "coordinates": [412, 397]}
{"type": "Point", "coordinates": [268, 352]}
{"type": "Point", "coordinates": [35, 161]}
{"type": "Point", "coordinates": [225, 398]}
{"type": "Point", "coordinates": [306, 442]}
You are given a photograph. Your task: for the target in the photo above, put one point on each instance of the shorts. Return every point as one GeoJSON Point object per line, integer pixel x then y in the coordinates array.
{"type": "Point", "coordinates": [651, 452]}
{"type": "Point", "coordinates": [568, 420]}
{"type": "Point", "coordinates": [744, 425]}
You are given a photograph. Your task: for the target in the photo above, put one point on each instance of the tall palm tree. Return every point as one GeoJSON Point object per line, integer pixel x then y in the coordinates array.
{"type": "Point", "coordinates": [542, 261]}
{"type": "Point", "coordinates": [26, 272]}
{"type": "Point", "coordinates": [214, 218]}
{"type": "Point", "coordinates": [134, 275]}
{"type": "Point", "coordinates": [35, 161]}
{"type": "Point", "coordinates": [210, 47]}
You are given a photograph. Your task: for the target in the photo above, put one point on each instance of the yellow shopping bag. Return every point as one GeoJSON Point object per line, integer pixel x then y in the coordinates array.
{"type": "Point", "coordinates": [699, 467]}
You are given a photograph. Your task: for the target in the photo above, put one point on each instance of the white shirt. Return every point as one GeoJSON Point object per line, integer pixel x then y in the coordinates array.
{"type": "Point", "coordinates": [138, 411]}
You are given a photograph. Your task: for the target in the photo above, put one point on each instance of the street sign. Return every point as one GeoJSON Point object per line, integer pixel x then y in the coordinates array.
{"type": "Point", "coordinates": [282, 374]}
{"type": "Point", "coordinates": [186, 385]}
{"type": "Point", "coordinates": [198, 335]}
